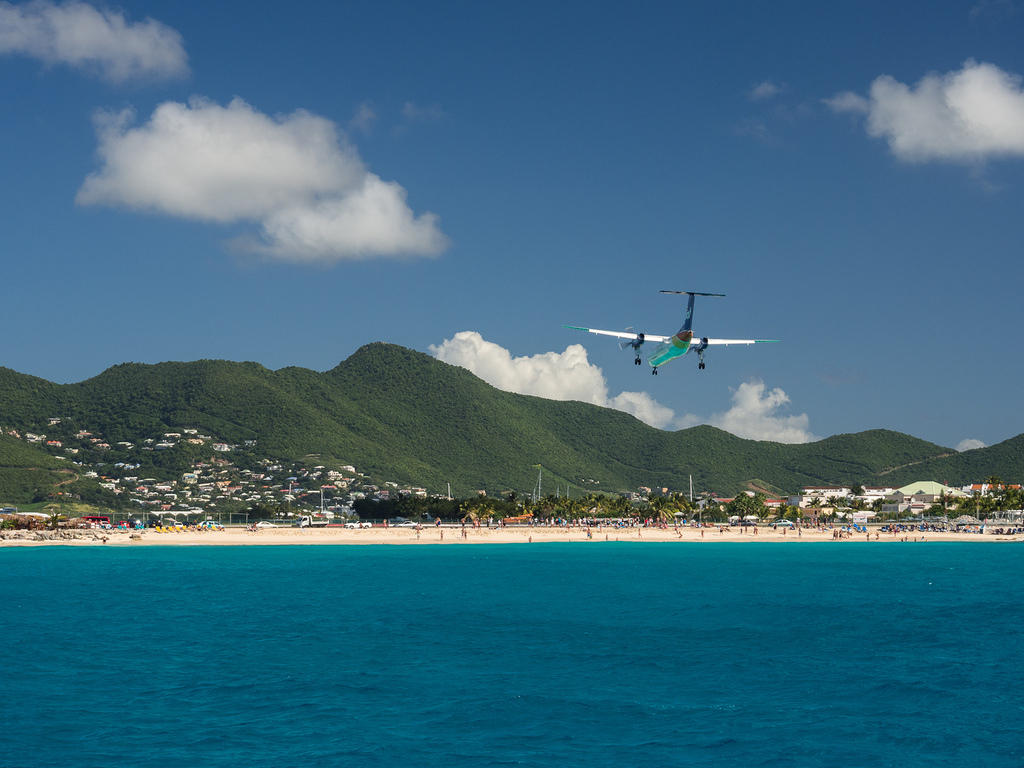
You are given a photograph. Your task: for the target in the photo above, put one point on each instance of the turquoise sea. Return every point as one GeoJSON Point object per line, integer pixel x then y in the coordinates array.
{"type": "Point", "coordinates": [588, 654]}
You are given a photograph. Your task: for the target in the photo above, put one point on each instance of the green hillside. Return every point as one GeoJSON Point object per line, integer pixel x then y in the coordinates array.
{"type": "Point", "coordinates": [26, 469]}
{"type": "Point", "coordinates": [400, 415]}
{"type": "Point", "coordinates": [1005, 459]}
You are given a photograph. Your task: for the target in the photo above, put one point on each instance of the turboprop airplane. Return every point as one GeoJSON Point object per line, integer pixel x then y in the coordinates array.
{"type": "Point", "coordinates": [677, 345]}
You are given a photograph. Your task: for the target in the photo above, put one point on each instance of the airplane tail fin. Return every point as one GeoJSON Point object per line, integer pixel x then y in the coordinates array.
{"type": "Point", "coordinates": [688, 318]}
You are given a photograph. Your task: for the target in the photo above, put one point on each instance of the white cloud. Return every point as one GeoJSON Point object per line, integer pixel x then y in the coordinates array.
{"type": "Point", "coordinates": [645, 408]}
{"type": "Point", "coordinates": [102, 41]}
{"type": "Point", "coordinates": [569, 375]}
{"type": "Point", "coordinates": [969, 444]}
{"type": "Point", "coordinates": [755, 415]}
{"type": "Point", "coordinates": [764, 90]}
{"type": "Point", "coordinates": [295, 175]}
{"type": "Point", "coordinates": [371, 220]}
{"type": "Point", "coordinates": [968, 115]}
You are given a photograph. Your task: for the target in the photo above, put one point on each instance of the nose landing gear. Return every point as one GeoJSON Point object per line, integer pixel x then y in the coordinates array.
{"type": "Point", "coordinates": [654, 371]}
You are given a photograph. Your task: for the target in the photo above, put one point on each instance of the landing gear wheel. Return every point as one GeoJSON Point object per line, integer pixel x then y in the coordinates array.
{"type": "Point", "coordinates": [637, 361]}
{"type": "Point", "coordinates": [700, 366]}
{"type": "Point", "coordinates": [654, 372]}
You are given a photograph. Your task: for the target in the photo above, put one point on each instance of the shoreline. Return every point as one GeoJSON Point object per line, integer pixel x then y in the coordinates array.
{"type": "Point", "coordinates": [453, 536]}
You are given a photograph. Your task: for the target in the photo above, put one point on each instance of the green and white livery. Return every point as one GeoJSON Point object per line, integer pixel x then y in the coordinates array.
{"type": "Point", "coordinates": [676, 345]}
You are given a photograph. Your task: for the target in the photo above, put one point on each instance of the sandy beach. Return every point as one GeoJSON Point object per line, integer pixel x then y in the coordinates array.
{"type": "Point", "coordinates": [453, 536]}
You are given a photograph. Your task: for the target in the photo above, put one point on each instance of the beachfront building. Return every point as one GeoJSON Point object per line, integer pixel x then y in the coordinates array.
{"type": "Point", "coordinates": [982, 489]}
{"type": "Point", "coordinates": [917, 497]}
{"type": "Point", "coordinates": [817, 495]}
{"type": "Point", "coordinates": [873, 493]}
{"type": "Point", "coordinates": [927, 490]}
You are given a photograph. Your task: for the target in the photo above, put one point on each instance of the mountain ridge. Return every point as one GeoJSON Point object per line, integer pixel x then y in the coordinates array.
{"type": "Point", "coordinates": [399, 414]}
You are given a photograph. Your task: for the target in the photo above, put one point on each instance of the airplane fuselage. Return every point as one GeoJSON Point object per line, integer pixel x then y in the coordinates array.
{"type": "Point", "coordinates": [677, 346]}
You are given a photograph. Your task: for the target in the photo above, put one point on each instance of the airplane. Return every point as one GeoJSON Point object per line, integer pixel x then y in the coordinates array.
{"type": "Point", "coordinates": [677, 345]}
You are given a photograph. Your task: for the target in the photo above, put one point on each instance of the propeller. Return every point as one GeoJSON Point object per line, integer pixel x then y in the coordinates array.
{"type": "Point", "coordinates": [635, 343]}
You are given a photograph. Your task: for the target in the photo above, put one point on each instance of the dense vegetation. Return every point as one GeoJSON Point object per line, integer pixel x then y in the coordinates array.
{"type": "Point", "coordinates": [400, 415]}
{"type": "Point", "coordinates": [28, 472]}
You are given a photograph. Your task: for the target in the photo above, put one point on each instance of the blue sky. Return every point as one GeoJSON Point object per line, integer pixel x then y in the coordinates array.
{"type": "Point", "coordinates": [286, 182]}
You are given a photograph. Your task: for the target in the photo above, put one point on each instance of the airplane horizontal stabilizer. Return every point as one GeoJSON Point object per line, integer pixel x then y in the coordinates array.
{"type": "Point", "coordinates": [693, 293]}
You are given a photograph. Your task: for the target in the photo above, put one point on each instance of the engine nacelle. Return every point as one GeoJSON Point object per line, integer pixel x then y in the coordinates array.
{"type": "Point", "coordinates": [634, 343]}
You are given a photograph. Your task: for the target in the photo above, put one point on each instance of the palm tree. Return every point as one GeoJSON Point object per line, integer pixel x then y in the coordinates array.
{"type": "Point", "coordinates": [56, 515]}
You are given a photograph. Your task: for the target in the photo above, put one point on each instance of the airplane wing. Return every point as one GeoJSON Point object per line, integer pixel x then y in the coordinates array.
{"type": "Point", "coordinates": [727, 342]}
{"type": "Point", "coordinates": [620, 334]}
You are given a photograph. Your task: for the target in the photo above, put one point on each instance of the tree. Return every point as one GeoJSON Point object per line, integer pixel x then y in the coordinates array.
{"type": "Point", "coordinates": [943, 501]}
{"type": "Point", "coordinates": [56, 515]}
{"type": "Point", "coordinates": [744, 505]}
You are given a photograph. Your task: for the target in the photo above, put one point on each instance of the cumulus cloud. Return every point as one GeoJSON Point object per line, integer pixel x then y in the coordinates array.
{"type": "Point", "coordinates": [295, 175]}
{"type": "Point", "coordinates": [968, 115]}
{"type": "Point", "coordinates": [569, 375]}
{"type": "Point", "coordinates": [373, 219]}
{"type": "Point", "coordinates": [969, 444]}
{"type": "Point", "coordinates": [764, 90]}
{"type": "Point", "coordinates": [100, 41]}
{"type": "Point", "coordinates": [754, 414]}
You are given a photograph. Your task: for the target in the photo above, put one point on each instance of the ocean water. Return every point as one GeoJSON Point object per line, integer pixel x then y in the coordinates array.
{"type": "Point", "coordinates": [589, 654]}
